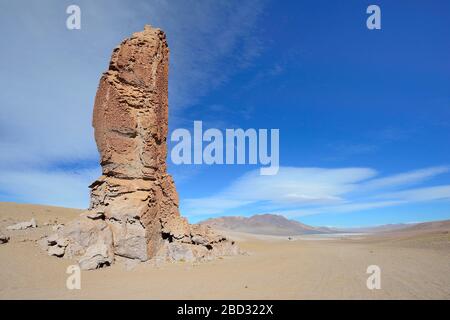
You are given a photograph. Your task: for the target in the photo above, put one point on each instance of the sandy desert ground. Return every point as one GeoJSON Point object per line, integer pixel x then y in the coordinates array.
{"type": "Point", "coordinates": [414, 264]}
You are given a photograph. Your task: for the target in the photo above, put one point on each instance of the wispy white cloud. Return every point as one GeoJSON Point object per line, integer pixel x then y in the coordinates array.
{"type": "Point", "coordinates": [290, 187]}
{"type": "Point", "coordinates": [408, 178]}
{"type": "Point", "coordinates": [420, 194]}
{"type": "Point", "coordinates": [308, 191]}
{"type": "Point", "coordinates": [299, 185]}
{"type": "Point", "coordinates": [341, 208]}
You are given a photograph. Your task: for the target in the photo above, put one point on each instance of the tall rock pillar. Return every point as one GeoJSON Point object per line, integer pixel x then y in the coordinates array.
{"type": "Point", "coordinates": [134, 203]}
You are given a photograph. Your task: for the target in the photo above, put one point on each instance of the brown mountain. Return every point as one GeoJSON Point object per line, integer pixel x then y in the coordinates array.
{"type": "Point", "coordinates": [439, 225]}
{"type": "Point", "coordinates": [268, 224]}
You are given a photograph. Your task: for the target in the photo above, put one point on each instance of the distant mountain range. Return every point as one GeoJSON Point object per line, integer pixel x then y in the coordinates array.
{"type": "Point", "coordinates": [376, 229]}
{"type": "Point", "coordinates": [276, 225]}
{"type": "Point", "coordinates": [268, 224]}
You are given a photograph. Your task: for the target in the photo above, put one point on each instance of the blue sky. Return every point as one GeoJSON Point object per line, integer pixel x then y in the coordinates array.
{"type": "Point", "coordinates": [364, 115]}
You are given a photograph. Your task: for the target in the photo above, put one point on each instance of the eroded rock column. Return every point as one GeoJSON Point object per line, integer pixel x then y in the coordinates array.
{"type": "Point", "coordinates": [135, 198]}
{"type": "Point", "coordinates": [135, 193]}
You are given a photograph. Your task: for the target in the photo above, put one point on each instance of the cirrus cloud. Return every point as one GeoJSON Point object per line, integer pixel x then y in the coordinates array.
{"type": "Point", "coordinates": [307, 191]}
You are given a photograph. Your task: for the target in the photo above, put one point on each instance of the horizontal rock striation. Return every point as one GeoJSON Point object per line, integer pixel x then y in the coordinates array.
{"type": "Point", "coordinates": [134, 204]}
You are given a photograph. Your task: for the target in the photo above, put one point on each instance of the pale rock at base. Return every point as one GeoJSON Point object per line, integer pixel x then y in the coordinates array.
{"type": "Point", "coordinates": [23, 225]}
{"type": "Point", "coordinates": [88, 241]}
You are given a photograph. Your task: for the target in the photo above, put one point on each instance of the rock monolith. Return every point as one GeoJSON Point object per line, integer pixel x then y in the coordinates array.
{"type": "Point", "coordinates": [134, 204]}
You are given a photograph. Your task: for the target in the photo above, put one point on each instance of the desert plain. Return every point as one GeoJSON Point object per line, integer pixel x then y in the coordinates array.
{"type": "Point", "coordinates": [414, 264]}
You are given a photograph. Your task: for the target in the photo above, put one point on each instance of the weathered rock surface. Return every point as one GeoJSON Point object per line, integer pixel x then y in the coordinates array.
{"type": "Point", "coordinates": [23, 225]}
{"type": "Point", "coordinates": [86, 240]}
{"type": "Point", "coordinates": [134, 204]}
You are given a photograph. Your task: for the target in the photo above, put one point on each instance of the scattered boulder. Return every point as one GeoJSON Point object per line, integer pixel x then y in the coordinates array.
{"type": "Point", "coordinates": [3, 238]}
{"type": "Point", "coordinates": [23, 225]}
{"type": "Point", "coordinates": [86, 240]}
